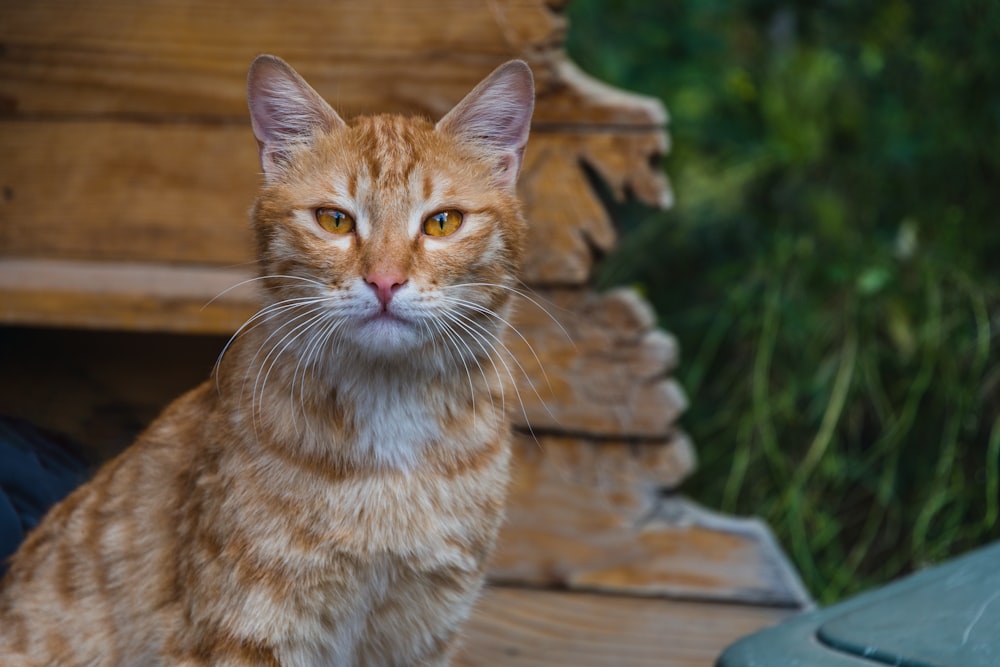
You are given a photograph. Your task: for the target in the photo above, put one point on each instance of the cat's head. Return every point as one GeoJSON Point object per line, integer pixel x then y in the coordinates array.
{"type": "Point", "coordinates": [389, 234]}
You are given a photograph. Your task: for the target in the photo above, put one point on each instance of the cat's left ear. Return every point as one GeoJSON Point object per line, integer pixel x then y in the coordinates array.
{"type": "Point", "coordinates": [284, 111]}
{"type": "Point", "coordinates": [496, 117]}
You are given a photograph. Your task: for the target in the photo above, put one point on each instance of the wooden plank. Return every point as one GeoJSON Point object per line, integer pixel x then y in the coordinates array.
{"type": "Point", "coordinates": [134, 297]}
{"type": "Point", "coordinates": [525, 628]}
{"type": "Point", "coordinates": [570, 225]}
{"type": "Point", "coordinates": [162, 192]}
{"type": "Point", "coordinates": [182, 58]}
{"type": "Point", "coordinates": [125, 191]}
{"type": "Point", "coordinates": [593, 515]}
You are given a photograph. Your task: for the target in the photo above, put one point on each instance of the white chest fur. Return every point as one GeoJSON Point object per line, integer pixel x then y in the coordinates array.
{"type": "Point", "coordinates": [393, 424]}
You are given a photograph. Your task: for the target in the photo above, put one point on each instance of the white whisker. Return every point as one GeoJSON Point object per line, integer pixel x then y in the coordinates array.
{"type": "Point", "coordinates": [482, 328]}
{"type": "Point", "coordinates": [309, 281]}
{"type": "Point", "coordinates": [524, 294]}
{"type": "Point", "coordinates": [261, 316]}
{"type": "Point", "coordinates": [310, 313]}
{"type": "Point", "coordinates": [319, 338]}
{"type": "Point", "coordinates": [296, 332]}
{"type": "Point", "coordinates": [477, 331]}
{"type": "Point", "coordinates": [455, 340]}
{"type": "Point", "coordinates": [486, 311]}
{"type": "Point", "coordinates": [450, 317]}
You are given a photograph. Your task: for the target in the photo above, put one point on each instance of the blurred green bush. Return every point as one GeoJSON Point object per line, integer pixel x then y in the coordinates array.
{"type": "Point", "coordinates": [831, 265]}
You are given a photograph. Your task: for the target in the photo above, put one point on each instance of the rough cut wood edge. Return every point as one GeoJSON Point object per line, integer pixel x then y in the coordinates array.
{"type": "Point", "coordinates": [515, 627]}
{"type": "Point", "coordinates": [570, 225]}
{"type": "Point", "coordinates": [591, 516]}
{"type": "Point", "coordinates": [574, 97]}
{"type": "Point", "coordinates": [595, 364]}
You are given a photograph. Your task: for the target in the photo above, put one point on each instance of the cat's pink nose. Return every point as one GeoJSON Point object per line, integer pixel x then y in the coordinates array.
{"type": "Point", "coordinates": [385, 285]}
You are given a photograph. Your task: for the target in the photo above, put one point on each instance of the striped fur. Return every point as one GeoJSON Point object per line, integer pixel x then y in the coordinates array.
{"type": "Point", "coordinates": [330, 496]}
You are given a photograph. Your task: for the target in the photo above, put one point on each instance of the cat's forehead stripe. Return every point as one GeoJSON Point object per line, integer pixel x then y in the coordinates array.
{"type": "Point", "coordinates": [352, 184]}
{"type": "Point", "coordinates": [428, 186]}
{"type": "Point", "coordinates": [390, 150]}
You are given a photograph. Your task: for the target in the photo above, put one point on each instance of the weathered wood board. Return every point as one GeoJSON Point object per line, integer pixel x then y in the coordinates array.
{"type": "Point", "coordinates": [134, 296]}
{"type": "Point", "coordinates": [112, 191]}
{"type": "Point", "coordinates": [585, 364]}
{"type": "Point", "coordinates": [594, 515]}
{"type": "Point", "coordinates": [512, 627]}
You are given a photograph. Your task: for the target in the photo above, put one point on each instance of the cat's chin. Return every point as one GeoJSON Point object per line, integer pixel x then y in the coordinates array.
{"type": "Point", "coordinates": [386, 333]}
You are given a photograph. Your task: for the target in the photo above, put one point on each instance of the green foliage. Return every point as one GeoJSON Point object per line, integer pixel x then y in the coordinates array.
{"type": "Point", "coordinates": [830, 267]}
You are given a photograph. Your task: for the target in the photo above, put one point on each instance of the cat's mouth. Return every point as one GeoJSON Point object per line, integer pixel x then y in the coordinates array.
{"type": "Point", "coordinates": [387, 331]}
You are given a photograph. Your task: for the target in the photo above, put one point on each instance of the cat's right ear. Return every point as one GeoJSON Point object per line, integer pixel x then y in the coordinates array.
{"type": "Point", "coordinates": [284, 111]}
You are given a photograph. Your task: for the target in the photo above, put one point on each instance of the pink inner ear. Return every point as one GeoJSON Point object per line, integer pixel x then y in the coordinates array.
{"type": "Point", "coordinates": [284, 109]}
{"type": "Point", "coordinates": [496, 115]}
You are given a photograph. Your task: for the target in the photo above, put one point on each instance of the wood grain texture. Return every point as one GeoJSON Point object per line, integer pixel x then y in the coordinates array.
{"type": "Point", "coordinates": [530, 628]}
{"type": "Point", "coordinates": [135, 297]}
{"type": "Point", "coordinates": [595, 364]}
{"type": "Point", "coordinates": [593, 515]}
{"type": "Point", "coordinates": [140, 192]}
{"type": "Point", "coordinates": [184, 59]}
{"type": "Point", "coordinates": [126, 191]}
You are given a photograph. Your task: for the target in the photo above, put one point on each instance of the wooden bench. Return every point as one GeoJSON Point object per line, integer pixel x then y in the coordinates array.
{"type": "Point", "coordinates": [128, 167]}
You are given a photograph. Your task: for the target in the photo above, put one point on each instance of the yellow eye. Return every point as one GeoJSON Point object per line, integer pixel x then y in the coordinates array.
{"type": "Point", "coordinates": [334, 221]}
{"type": "Point", "coordinates": [443, 223]}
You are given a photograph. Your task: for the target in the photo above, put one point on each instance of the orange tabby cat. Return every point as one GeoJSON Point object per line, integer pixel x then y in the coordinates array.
{"type": "Point", "coordinates": [331, 497]}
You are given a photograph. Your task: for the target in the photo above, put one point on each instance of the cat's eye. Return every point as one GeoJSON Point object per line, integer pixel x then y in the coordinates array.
{"type": "Point", "coordinates": [334, 221]}
{"type": "Point", "coordinates": [443, 223]}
